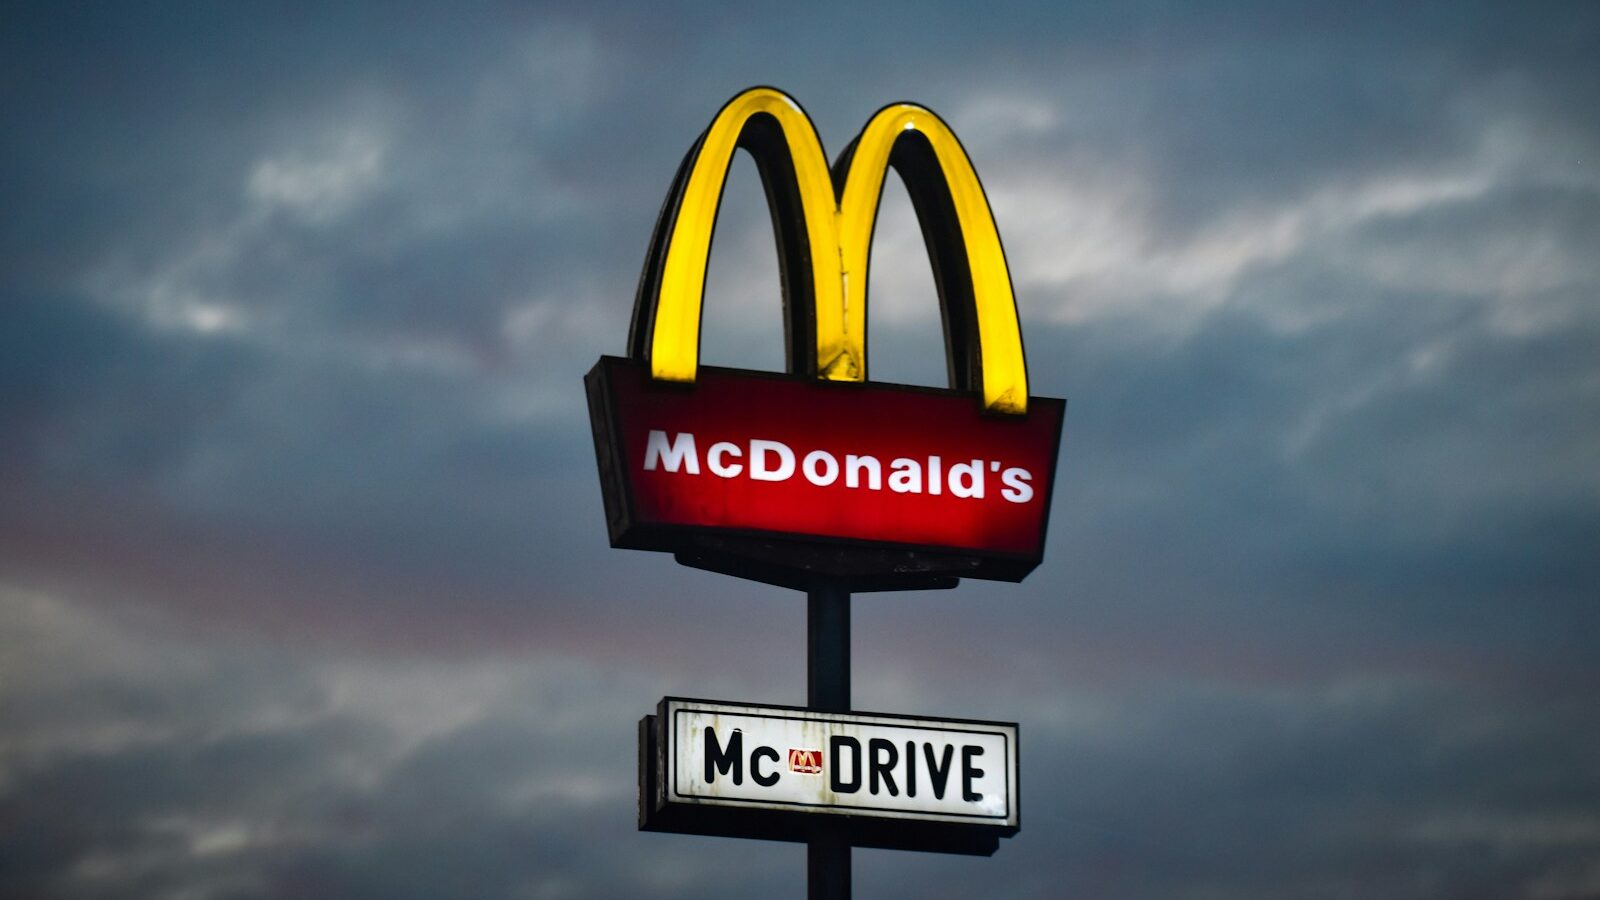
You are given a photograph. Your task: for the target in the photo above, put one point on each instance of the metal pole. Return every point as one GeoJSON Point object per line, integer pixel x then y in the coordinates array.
{"type": "Point", "coordinates": [828, 690]}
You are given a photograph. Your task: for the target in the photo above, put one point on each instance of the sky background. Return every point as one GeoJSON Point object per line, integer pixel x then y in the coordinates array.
{"type": "Point", "coordinates": [304, 584]}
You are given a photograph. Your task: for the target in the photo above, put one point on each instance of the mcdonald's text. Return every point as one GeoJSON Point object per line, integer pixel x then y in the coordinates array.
{"type": "Point", "coordinates": [775, 461]}
{"type": "Point", "coordinates": [749, 453]}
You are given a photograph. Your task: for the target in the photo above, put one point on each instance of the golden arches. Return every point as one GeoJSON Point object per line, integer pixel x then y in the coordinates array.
{"type": "Point", "coordinates": [834, 243]}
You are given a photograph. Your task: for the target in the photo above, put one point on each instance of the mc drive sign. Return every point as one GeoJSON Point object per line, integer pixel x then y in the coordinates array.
{"type": "Point", "coordinates": [777, 758]}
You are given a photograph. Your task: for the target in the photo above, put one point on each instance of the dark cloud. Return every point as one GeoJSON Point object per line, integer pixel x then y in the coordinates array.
{"type": "Point", "coordinates": [302, 567]}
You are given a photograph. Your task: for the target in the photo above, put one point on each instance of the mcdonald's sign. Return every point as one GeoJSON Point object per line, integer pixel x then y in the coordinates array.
{"type": "Point", "coordinates": [818, 471]}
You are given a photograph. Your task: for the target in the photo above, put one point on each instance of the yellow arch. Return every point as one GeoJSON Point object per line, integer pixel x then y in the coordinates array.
{"type": "Point", "coordinates": [1005, 372]}
{"type": "Point", "coordinates": [675, 341]}
{"type": "Point", "coordinates": [839, 233]}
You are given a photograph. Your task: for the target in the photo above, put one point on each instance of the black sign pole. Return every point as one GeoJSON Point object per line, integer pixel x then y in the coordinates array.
{"type": "Point", "coordinates": [828, 690]}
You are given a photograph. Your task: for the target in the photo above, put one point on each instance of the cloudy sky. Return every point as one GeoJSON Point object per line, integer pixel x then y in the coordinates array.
{"type": "Point", "coordinates": [304, 586]}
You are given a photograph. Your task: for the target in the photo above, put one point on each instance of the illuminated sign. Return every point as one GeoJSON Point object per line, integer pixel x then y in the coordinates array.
{"type": "Point", "coordinates": [819, 471]}
{"type": "Point", "coordinates": [793, 769]}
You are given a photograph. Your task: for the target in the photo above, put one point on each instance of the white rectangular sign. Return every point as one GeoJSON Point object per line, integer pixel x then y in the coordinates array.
{"type": "Point", "coordinates": [940, 770]}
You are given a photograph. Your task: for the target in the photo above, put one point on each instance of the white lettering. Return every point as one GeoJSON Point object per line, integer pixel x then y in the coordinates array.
{"type": "Point", "coordinates": [759, 469]}
{"type": "Point", "coordinates": [905, 476]}
{"type": "Point", "coordinates": [829, 467]}
{"type": "Point", "coordinates": [766, 460]}
{"type": "Point", "coordinates": [1017, 489]}
{"type": "Point", "coordinates": [973, 473]}
{"type": "Point", "coordinates": [717, 466]}
{"type": "Point", "coordinates": [853, 467]}
{"type": "Point", "coordinates": [680, 452]}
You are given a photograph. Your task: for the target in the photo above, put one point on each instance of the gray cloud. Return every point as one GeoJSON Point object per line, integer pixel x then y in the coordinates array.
{"type": "Point", "coordinates": [261, 776]}
{"type": "Point", "coordinates": [305, 585]}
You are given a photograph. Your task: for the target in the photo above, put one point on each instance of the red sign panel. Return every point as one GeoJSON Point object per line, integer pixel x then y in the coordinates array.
{"type": "Point", "coordinates": [806, 762]}
{"type": "Point", "coordinates": [763, 454]}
